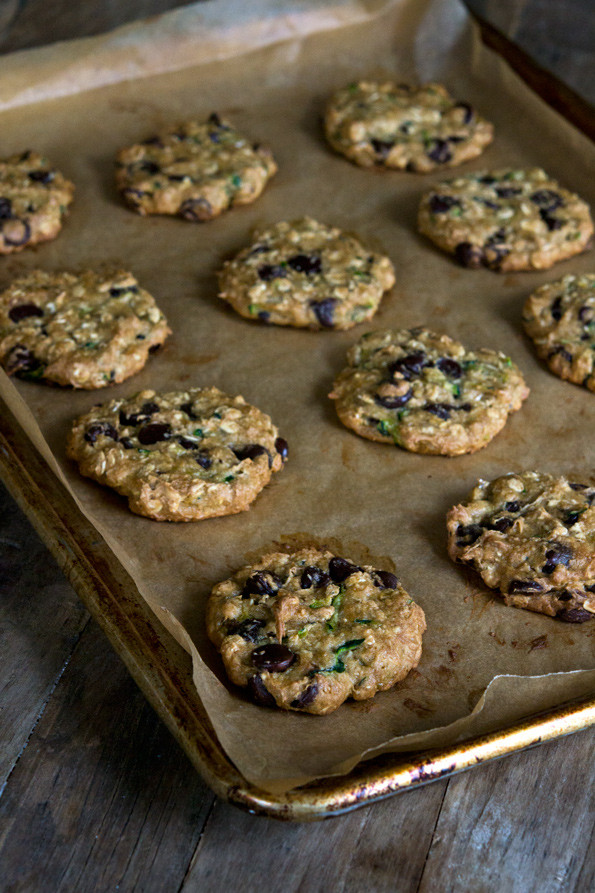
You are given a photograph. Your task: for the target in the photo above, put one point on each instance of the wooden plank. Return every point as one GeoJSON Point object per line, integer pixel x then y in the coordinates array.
{"type": "Point", "coordinates": [381, 848]}
{"type": "Point", "coordinates": [522, 824]}
{"type": "Point", "coordinates": [102, 796]}
{"type": "Point", "coordinates": [40, 622]}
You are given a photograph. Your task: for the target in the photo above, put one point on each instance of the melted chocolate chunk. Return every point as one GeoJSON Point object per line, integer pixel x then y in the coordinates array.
{"type": "Point", "coordinates": [385, 580]}
{"type": "Point", "coordinates": [275, 658]}
{"type": "Point", "coordinates": [259, 692]}
{"type": "Point", "coordinates": [306, 697]}
{"type": "Point", "coordinates": [43, 177]}
{"type": "Point", "coordinates": [339, 569]}
{"type": "Point", "coordinates": [5, 209]}
{"type": "Point", "coordinates": [410, 366]}
{"type": "Point", "coordinates": [203, 458]}
{"type": "Point", "coordinates": [282, 448]}
{"type": "Point", "coordinates": [467, 111]}
{"type": "Point", "coordinates": [305, 263]}
{"type": "Point", "coordinates": [324, 311]}
{"type": "Point", "coordinates": [552, 223]}
{"type": "Point", "coordinates": [101, 428]}
{"type": "Point", "coordinates": [442, 410]}
{"type": "Point", "coordinates": [187, 408]}
{"type": "Point", "coordinates": [512, 506]}
{"type": "Point", "coordinates": [440, 204]}
{"type": "Point", "coordinates": [21, 360]}
{"type": "Point", "coordinates": [24, 311]}
{"type": "Point", "coordinates": [563, 353]}
{"type": "Point", "coordinates": [469, 255]}
{"type": "Point", "coordinates": [313, 577]}
{"type": "Point", "coordinates": [393, 402]}
{"type": "Point", "coordinates": [154, 432]}
{"type": "Point", "coordinates": [495, 249]}
{"type": "Point", "coordinates": [252, 451]}
{"type": "Point", "coordinates": [500, 524]}
{"type": "Point", "coordinates": [524, 586]}
{"type": "Point", "coordinates": [149, 167]}
{"type": "Point", "coordinates": [196, 210]}
{"type": "Point", "coordinates": [249, 630]}
{"type": "Point", "coordinates": [382, 148]}
{"type": "Point", "coordinates": [449, 367]}
{"type": "Point", "coordinates": [507, 191]}
{"type": "Point", "coordinates": [558, 554]}
{"type": "Point", "coordinates": [547, 199]}
{"type": "Point", "coordinates": [187, 443]}
{"type": "Point", "coordinates": [440, 151]}
{"type": "Point", "coordinates": [261, 583]}
{"type": "Point", "coordinates": [118, 292]}
{"type": "Point", "coordinates": [556, 308]}
{"type": "Point", "coordinates": [136, 418]}
{"type": "Point", "coordinates": [271, 271]}
{"type": "Point", "coordinates": [575, 615]}
{"type": "Point", "coordinates": [468, 534]}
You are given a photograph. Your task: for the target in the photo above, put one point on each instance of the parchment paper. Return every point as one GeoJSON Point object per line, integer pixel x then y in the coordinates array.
{"type": "Point", "coordinates": [369, 502]}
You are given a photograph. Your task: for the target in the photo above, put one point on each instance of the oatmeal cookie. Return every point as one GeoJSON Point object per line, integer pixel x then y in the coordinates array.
{"type": "Point", "coordinates": [532, 537]}
{"type": "Point", "coordinates": [179, 456]}
{"type": "Point", "coordinates": [34, 197]}
{"type": "Point", "coordinates": [306, 631]}
{"type": "Point", "coordinates": [560, 319]}
{"type": "Point", "coordinates": [404, 127]}
{"type": "Point", "coordinates": [426, 392]}
{"type": "Point", "coordinates": [87, 330]}
{"type": "Point", "coordinates": [506, 220]}
{"type": "Point", "coordinates": [308, 275]}
{"type": "Point", "coordinates": [196, 172]}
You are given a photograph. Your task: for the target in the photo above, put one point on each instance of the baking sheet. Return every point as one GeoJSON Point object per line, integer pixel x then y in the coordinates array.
{"type": "Point", "coordinates": [370, 502]}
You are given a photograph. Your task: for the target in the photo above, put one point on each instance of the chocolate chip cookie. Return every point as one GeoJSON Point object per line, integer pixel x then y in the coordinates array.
{"type": "Point", "coordinates": [87, 330]}
{"type": "Point", "coordinates": [532, 537]}
{"type": "Point", "coordinates": [307, 630]}
{"type": "Point", "coordinates": [179, 456]}
{"type": "Point", "coordinates": [34, 198]}
{"type": "Point", "coordinates": [560, 319]}
{"type": "Point", "coordinates": [405, 127]}
{"type": "Point", "coordinates": [506, 220]}
{"type": "Point", "coordinates": [426, 392]}
{"type": "Point", "coordinates": [196, 172]}
{"type": "Point", "coordinates": [306, 274]}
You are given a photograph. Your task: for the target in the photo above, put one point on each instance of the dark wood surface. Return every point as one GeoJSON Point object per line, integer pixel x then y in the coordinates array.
{"type": "Point", "coordinates": [96, 795]}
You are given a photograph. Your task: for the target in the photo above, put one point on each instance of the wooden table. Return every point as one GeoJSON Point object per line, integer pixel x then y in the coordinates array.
{"type": "Point", "coordinates": [96, 795]}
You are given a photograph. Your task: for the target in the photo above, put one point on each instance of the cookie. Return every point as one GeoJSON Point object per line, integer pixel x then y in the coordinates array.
{"type": "Point", "coordinates": [34, 197]}
{"type": "Point", "coordinates": [560, 319]}
{"type": "Point", "coordinates": [532, 537]}
{"type": "Point", "coordinates": [308, 275]}
{"type": "Point", "coordinates": [88, 330]}
{"type": "Point", "coordinates": [306, 631]}
{"type": "Point", "coordinates": [195, 172]}
{"type": "Point", "coordinates": [179, 456]}
{"type": "Point", "coordinates": [506, 220]}
{"type": "Point", "coordinates": [405, 127]}
{"type": "Point", "coordinates": [426, 392]}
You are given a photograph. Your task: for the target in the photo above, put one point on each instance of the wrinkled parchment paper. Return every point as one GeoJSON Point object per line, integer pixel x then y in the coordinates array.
{"type": "Point", "coordinates": [370, 502]}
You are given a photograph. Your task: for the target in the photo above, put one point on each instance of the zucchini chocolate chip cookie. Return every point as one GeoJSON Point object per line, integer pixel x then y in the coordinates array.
{"type": "Point", "coordinates": [425, 392]}
{"type": "Point", "coordinates": [306, 631]}
{"type": "Point", "coordinates": [560, 319]}
{"type": "Point", "coordinates": [506, 220]}
{"type": "Point", "coordinates": [86, 331]}
{"type": "Point", "coordinates": [405, 127]}
{"type": "Point", "coordinates": [196, 172]}
{"type": "Point", "coordinates": [532, 537]}
{"type": "Point", "coordinates": [308, 275]}
{"type": "Point", "coordinates": [34, 197]}
{"type": "Point", "coordinates": [179, 456]}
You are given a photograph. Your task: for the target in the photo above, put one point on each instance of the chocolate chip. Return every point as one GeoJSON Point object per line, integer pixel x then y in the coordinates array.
{"type": "Point", "coordinates": [187, 443]}
{"type": "Point", "coordinates": [153, 141]}
{"type": "Point", "coordinates": [249, 629]}
{"type": "Point", "coordinates": [578, 486]}
{"type": "Point", "coordinates": [507, 191]}
{"type": "Point", "coordinates": [313, 577]}
{"type": "Point", "coordinates": [442, 410]}
{"type": "Point", "coordinates": [449, 367]}
{"type": "Point", "coordinates": [118, 291]}
{"type": "Point", "coordinates": [260, 693]}
{"type": "Point", "coordinates": [385, 580]}
{"type": "Point", "coordinates": [339, 569]}
{"type": "Point", "coordinates": [271, 271]}
{"type": "Point", "coordinates": [382, 148]}
{"type": "Point", "coordinates": [547, 199]}
{"type": "Point", "coordinates": [305, 698]}
{"type": "Point", "coordinates": [393, 402]}
{"type": "Point", "coordinates": [563, 353]}
{"type": "Point", "coordinates": [512, 506]}
{"type": "Point", "coordinates": [261, 583]}
{"type": "Point", "coordinates": [440, 151]}
{"type": "Point", "coordinates": [500, 524]}
{"type": "Point", "coordinates": [275, 658]}
{"type": "Point", "coordinates": [575, 615]}
{"type": "Point", "coordinates": [149, 167]}
{"type": "Point", "coordinates": [214, 119]}
{"type": "Point", "coordinates": [101, 428]}
{"type": "Point", "coordinates": [24, 311]}
{"type": "Point", "coordinates": [556, 308]}
{"type": "Point", "coordinates": [305, 263]}
{"type": "Point", "coordinates": [565, 596]}
{"type": "Point", "coordinates": [135, 418]}
{"type": "Point", "coordinates": [468, 534]}
{"type": "Point", "coordinates": [410, 366]}
{"type": "Point", "coordinates": [469, 255]}
{"type": "Point", "coordinates": [440, 204]}
{"type": "Point", "coordinates": [488, 203]}
{"type": "Point", "coordinates": [196, 210]}
{"type": "Point", "coordinates": [487, 179]}
{"type": "Point", "coordinates": [558, 554]}
{"type": "Point", "coordinates": [264, 315]}
{"type": "Point", "coordinates": [154, 432]}
{"type": "Point", "coordinates": [467, 111]}
{"type": "Point", "coordinates": [17, 237]}
{"type": "Point", "coordinates": [5, 209]}
{"type": "Point", "coordinates": [187, 408]}
{"type": "Point", "coordinates": [571, 518]}
{"type": "Point", "coordinates": [21, 359]}
{"type": "Point", "coordinates": [495, 249]}
{"type": "Point", "coordinates": [552, 223]}
{"type": "Point", "coordinates": [282, 448]}
{"type": "Point", "coordinates": [324, 311]}
{"type": "Point", "coordinates": [43, 177]}
{"type": "Point", "coordinates": [204, 459]}
{"type": "Point", "coordinates": [252, 451]}
{"type": "Point", "coordinates": [527, 586]}
{"type": "Point", "coordinates": [126, 443]}
{"type": "Point", "coordinates": [586, 314]}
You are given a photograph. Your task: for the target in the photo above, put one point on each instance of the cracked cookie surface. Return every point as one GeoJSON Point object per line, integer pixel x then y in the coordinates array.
{"type": "Point", "coordinates": [305, 631]}
{"type": "Point", "coordinates": [532, 537]}
{"type": "Point", "coordinates": [404, 127]}
{"type": "Point", "coordinates": [559, 317]}
{"type": "Point", "coordinates": [34, 197]}
{"type": "Point", "coordinates": [306, 274]}
{"type": "Point", "coordinates": [196, 172]}
{"type": "Point", "coordinates": [87, 330]}
{"type": "Point", "coordinates": [181, 455]}
{"type": "Point", "coordinates": [426, 392]}
{"type": "Point", "coordinates": [506, 220]}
